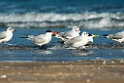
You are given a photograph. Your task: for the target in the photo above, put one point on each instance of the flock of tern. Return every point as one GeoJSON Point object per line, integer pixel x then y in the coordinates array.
{"type": "Point", "coordinates": [71, 37]}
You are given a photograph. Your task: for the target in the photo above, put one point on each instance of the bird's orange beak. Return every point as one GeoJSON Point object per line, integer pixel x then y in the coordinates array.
{"type": "Point", "coordinates": [54, 32]}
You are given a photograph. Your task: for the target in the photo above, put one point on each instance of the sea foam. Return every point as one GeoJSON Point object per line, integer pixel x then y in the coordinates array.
{"type": "Point", "coordinates": [89, 20]}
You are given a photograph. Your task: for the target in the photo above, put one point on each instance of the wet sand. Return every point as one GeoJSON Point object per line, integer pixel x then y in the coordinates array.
{"type": "Point", "coordinates": [96, 71]}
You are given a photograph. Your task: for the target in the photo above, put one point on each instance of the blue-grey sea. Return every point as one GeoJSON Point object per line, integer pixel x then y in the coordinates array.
{"type": "Point", "coordinates": [34, 17]}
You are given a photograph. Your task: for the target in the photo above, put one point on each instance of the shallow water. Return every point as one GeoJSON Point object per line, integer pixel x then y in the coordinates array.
{"type": "Point", "coordinates": [23, 50]}
{"type": "Point", "coordinates": [95, 16]}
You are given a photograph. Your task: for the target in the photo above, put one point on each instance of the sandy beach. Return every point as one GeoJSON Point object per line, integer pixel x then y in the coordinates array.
{"type": "Point", "coordinates": [23, 60]}
{"type": "Point", "coordinates": [96, 71]}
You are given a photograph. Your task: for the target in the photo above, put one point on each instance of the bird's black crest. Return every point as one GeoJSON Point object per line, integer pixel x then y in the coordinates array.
{"type": "Point", "coordinates": [48, 30]}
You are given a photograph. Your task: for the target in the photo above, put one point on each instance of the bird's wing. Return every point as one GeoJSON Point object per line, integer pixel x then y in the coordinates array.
{"type": "Point", "coordinates": [73, 40]}
{"type": "Point", "coordinates": [68, 34]}
{"type": "Point", "coordinates": [88, 43]}
{"type": "Point", "coordinates": [118, 35]}
{"type": "Point", "coordinates": [2, 35]}
{"type": "Point", "coordinates": [39, 39]}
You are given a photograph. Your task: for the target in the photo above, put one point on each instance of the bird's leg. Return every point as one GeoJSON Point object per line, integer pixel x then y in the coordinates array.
{"type": "Point", "coordinates": [82, 50]}
{"type": "Point", "coordinates": [62, 42]}
{"type": "Point", "coordinates": [5, 43]}
{"type": "Point", "coordinates": [76, 50]}
{"type": "Point", "coordinates": [43, 47]}
{"type": "Point", "coordinates": [120, 43]}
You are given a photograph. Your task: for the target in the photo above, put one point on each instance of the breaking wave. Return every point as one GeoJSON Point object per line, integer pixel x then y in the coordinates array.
{"type": "Point", "coordinates": [88, 20]}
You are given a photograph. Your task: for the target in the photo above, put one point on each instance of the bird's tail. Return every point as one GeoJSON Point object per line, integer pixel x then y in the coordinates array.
{"type": "Point", "coordinates": [105, 34]}
{"type": "Point", "coordinates": [30, 37]}
{"type": "Point", "coordinates": [61, 37]}
{"type": "Point", "coordinates": [25, 36]}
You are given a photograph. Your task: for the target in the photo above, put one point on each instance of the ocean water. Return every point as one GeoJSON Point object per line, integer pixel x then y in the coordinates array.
{"type": "Point", "coordinates": [34, 17]}
{"type": "Point", "coordinates": [87, 14]}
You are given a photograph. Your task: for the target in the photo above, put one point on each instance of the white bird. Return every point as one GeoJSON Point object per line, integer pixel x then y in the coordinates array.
{"type": "Point", "coordinates": [69, 34]}
{"type": "Point", "coordinates": [79, 41]}
{"type": "Point", "coordinates": [41, 39]}
{"type": "Point", "coordinates": [7, 35]}
{"type": "Point", "coordinates": [90, 39]}
{"type": "Point", "coordinates": [118, 37]}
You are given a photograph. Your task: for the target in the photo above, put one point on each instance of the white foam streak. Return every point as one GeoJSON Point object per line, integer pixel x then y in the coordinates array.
{"type": "Point", "coordinates": [86, 19]}
{"type": "Point", "coordinates": [28, 17]}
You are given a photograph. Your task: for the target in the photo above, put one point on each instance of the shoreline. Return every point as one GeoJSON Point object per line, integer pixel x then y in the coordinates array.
{"type": "Point", "coordinates": [97, 71]}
